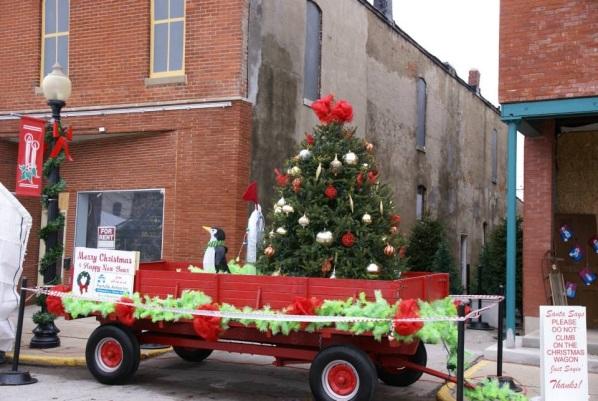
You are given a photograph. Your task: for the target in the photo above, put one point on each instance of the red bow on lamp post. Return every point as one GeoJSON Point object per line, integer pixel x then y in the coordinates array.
{"type": "Point", "coordinates": [62, 142]}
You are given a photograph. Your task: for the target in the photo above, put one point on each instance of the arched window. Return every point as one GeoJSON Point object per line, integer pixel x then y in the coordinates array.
{"type": "Point", "coordinates": [313, 51]}
{"type": "Point", "coordinates": [421, 114]}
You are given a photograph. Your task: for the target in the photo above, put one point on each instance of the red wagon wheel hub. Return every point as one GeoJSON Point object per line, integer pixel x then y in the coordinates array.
{"type": "Point", "coordinates": [109, 354]}
{"type": "Point", "coordinates": [341, 380]}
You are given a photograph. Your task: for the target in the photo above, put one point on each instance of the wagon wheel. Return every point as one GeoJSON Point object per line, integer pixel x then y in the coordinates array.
{"type": "Point", "coordinates": [342, 373]}
{"type": "Point", "coordinates": [192, 354]}
{"type": "Point", "coordinates": [402, 377]}
{"type": "Point", "coordinates": [112, 354]}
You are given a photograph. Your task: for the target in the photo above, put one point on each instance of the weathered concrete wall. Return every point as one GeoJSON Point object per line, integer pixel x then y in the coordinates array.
{"type": "Point", "coordinates": [367, 62]}
{"type": "Point", "coordinates": [577, 176]}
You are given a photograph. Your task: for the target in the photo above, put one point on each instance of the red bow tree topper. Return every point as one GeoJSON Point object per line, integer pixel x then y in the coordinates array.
{"type": "Point", "coordinates": [407, 308]}
{"type": "Point", "coordinates": [328, 111]}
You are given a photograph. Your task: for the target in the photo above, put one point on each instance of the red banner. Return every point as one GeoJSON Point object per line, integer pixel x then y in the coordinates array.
{"type": "Point", "coordinates": [31, 157]}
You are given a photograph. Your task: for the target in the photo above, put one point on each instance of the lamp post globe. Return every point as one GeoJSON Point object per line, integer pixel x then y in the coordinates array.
{"type": "Point", "coordinates": [56, 88]}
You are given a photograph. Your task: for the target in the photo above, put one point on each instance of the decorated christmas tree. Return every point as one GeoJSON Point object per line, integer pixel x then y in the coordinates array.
{"type": "Point", "coordinates": [332, 216]}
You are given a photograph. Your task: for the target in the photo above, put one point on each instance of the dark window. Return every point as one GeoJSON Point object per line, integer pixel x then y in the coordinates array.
{"type": "Point", "coordinates": [421, 114]}
{"type": "Point", "coordinates": [420, 202]}
{"type": "Point", "coordinates": [313, 50]}
{"type": "Point", "coordinates": [137, 216]}
{"type": "Point", "coordinates": [493, 145]}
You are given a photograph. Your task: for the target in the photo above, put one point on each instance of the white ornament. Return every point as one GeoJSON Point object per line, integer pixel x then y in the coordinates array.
{"type": "Point", "coordinates": [351, 203]}
{"type": "Point", "coordinates": [318, 171]}
{"type": "Point", "coordinates": [381, 208]}
{"type": "Point", "coordinates": [271, 234]}
{"type": "Point", "coordinates": [281, 202]}
{"type": "Point", "coordinates": [303, 221]}
{"type": "Point", "coordinates": [365, 166]}
{"type": "Point", "coordinates": [324, 238]}
{"type": "Point", "coordinates": [281, 231]}
{"type": "Point", "coordinates": [351, 158]}
{"type": "Point", "coordinates": [373, 268]}
{"type": "Point", "coordinates": [305, 154]}
{"type": "Point", "coordinates": [366, 218]}
{"type": "Point", "coordinates": [288, 209]}
{"type": "Point", "coordinates": [277, 210]}
{"type": "Point", "coordinates": [295, 171]}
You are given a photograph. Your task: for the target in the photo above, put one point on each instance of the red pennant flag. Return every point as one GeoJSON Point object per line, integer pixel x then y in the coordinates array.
{"type": "Point", "coordinates": [250, 194]}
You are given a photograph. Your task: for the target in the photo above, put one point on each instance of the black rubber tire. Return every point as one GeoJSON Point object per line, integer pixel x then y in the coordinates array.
{"type": "Point", "coordinates": [405, 377]}
{"type": "Point", "coordinates": [136, 348]}
{"type": "Point", "coordinates": [192, 354]}
{"type": "Point", "coordinates": [350, 355]}
{"type": "Point", "coordinates": [130, 354]}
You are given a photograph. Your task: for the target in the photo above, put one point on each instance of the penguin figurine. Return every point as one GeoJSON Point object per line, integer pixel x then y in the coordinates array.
{"type": "Point", "coordinates": [214, 259]}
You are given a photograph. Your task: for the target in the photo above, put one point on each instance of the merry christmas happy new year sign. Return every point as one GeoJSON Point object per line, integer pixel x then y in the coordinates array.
{"type": "Point", "coordinates": [104, 273]}
{"type": "Point", "coordinates": [564, 356]}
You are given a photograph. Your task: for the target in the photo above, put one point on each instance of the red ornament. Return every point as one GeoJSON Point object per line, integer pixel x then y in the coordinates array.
{"type": "Point", "coordinates": [407, 308]}
{"type": "Point", "coordinates": [54, 303]}
{"type": "Point", "coordinates": [269, 251]}
{"type": "Point", "coordinates": [402, 251]}
{"type": "Point", "coordinates": [359, 180]}
{"type": "Point", "coordinates": [327, 265]}
{"type": "Point", "coordinates": [124, 311]}
{"type": "Point", "coordinates": [395, 220]}
{"type": "Point", "coordinates": [330, 192]}
{"type": "Point", "coordinates": [282, 180]}
{"type": "Point", "coordinates": [207, 327]}
{"type": "Point", "coordinates": [389, 250]}
{"type": "Point", "coordinates": [373, 177]}
{"type": "Point", "coordinates": [348, 239]}
{"type": "Point", "coordinates": [309, 139]}
{"type": "Point", "coordinates": [296, 185]}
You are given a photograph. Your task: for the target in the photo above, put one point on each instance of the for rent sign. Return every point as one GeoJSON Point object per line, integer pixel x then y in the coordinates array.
{"type": "Point", "coordinates": [564, 360]}
{"type": "Point", "coordinates": [104, 273]}
{"type": "Point", "coordinates": [107, 237]}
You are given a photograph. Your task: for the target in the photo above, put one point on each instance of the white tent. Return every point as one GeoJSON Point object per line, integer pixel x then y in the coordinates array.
{"type": "Point", "coordinates": [15, 224]}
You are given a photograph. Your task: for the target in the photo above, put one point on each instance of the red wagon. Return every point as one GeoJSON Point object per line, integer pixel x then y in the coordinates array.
{"type": "Point", "coordinates": [343, 366]}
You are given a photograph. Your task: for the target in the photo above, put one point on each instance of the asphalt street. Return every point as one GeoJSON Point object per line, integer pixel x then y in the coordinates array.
{"type": "Point", "coordinates": [223, 376]}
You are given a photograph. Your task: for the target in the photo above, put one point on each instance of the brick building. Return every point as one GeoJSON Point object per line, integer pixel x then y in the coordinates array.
{"type": "Point", "coordinates": [177, 104]}
{"type": "Point", "coordinates": [549, 92]}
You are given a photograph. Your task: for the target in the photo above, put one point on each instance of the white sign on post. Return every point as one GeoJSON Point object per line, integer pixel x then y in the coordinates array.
{"type": "Point", "coordinates": [106, 237]}
{"type": "Point", "coordinates": [104, 273]}
{"type": "Point", "coordinates": [564, 359]}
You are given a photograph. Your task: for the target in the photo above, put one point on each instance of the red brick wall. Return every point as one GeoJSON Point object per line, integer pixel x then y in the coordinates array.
{"type": "Point", "coordinates": [538, 215]}
{"type": "Point", "coordinates": [548, 49]}
{"type": "Point", "coordinates": [109, 53]}
{"type": "Point", "coordinates": [200, 157]}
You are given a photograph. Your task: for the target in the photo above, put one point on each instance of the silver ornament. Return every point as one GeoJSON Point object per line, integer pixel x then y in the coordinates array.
{"type": "Point", "coordinates": [351, 158]}
{"type": "Point", "coordinates": [324, 238]}
{"type": "Point", "coordinates": [336, 165]}
{"type": "Point", "coordinates": [281, 231]}
{"type": "Point", "coordinates": [288, 209]}
{"type": "Point", "coordinates": [304, 154]}
{"type": "Point", "coordinates": [303, 221]}
{"type": "Point", "coordinates": [366, 218]}
{"type": "Point", "coordinates": [373, 268]}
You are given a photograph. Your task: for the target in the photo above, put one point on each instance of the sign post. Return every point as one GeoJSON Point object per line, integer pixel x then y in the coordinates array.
{"type": "Point", "coordinates": [564, 359]}
{"type": "Point", "coordinates": [104, 273]}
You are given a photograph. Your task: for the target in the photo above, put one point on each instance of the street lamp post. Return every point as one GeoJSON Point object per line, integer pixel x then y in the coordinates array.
{"type": "Point", "coordinates": [56, 88]}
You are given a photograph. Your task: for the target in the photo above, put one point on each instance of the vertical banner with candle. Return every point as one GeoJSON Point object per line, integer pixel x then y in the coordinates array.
{"type": "Point", "coordinates": [30, 157]}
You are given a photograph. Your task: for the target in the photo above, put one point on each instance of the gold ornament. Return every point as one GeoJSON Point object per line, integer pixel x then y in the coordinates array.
{"type": "Point", "coordinates": [281, 202]}
{"type": "Point", "coordinates": [324, 238]}
{"type": "Point", "coordinates": [351, 203]}
{"type": "Point", "coordinates": [269, 251]}
{"type": "Point", "coordinates": [369, 147]}
{"type": "Point", "coordinates": [303, 221]}
{"type": "Point", "coordinates": [366, 219]}
{"type": "Point", "coordinates": [389, 250]}
{"type": "Point", "coordinates": [373, 269]}
{"type": "Point", "coordinates": [318, 171]}
{"type": "Point", "coordinates": [295, 171]}
{"type": "Point", "coordinates": [336, 165]}
{"type": "Point", "coordinates": [351, 158]}
{"type": "Point", "coordinates": [281, 231]}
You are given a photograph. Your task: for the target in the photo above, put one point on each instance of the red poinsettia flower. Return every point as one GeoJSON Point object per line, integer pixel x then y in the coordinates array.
{"type": "Point", "coordinates": [458, 302]}
{"type": "Point", "coordinates": [359, 180]}
{"type": "Point", "coordinates": [348, 239]}
{"type": "Point", "coordinates": [373, 176]}
{"type": "Point", "coordinates": [330, 192]}
{"type": "Point", "coordinates": [282, 180]}
{"type": "Point", "coordinates": [342, 112]}
{"type": "Point", "coordinates": [54, 303]}
{"type": "Point", "coordinates": [407, 308]}
{"type": "Point", "coordinates": [207, 327]}
{"type": "Point", "coordinates": [124, 311]}
{"type": "Point", "coordinates": [323, 108]}
{"type": "Point", "coordinates": [309, 138]}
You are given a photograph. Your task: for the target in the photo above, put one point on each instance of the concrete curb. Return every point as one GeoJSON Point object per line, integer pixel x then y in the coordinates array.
{"type": "Point", "coordinates": [445, 392]}
{"type": "Point", "coordinates": [51, 360]}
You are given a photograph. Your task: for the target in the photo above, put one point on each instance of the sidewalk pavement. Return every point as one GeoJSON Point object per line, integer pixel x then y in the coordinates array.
{"type": "Point", "coordinates": [73, 339]}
